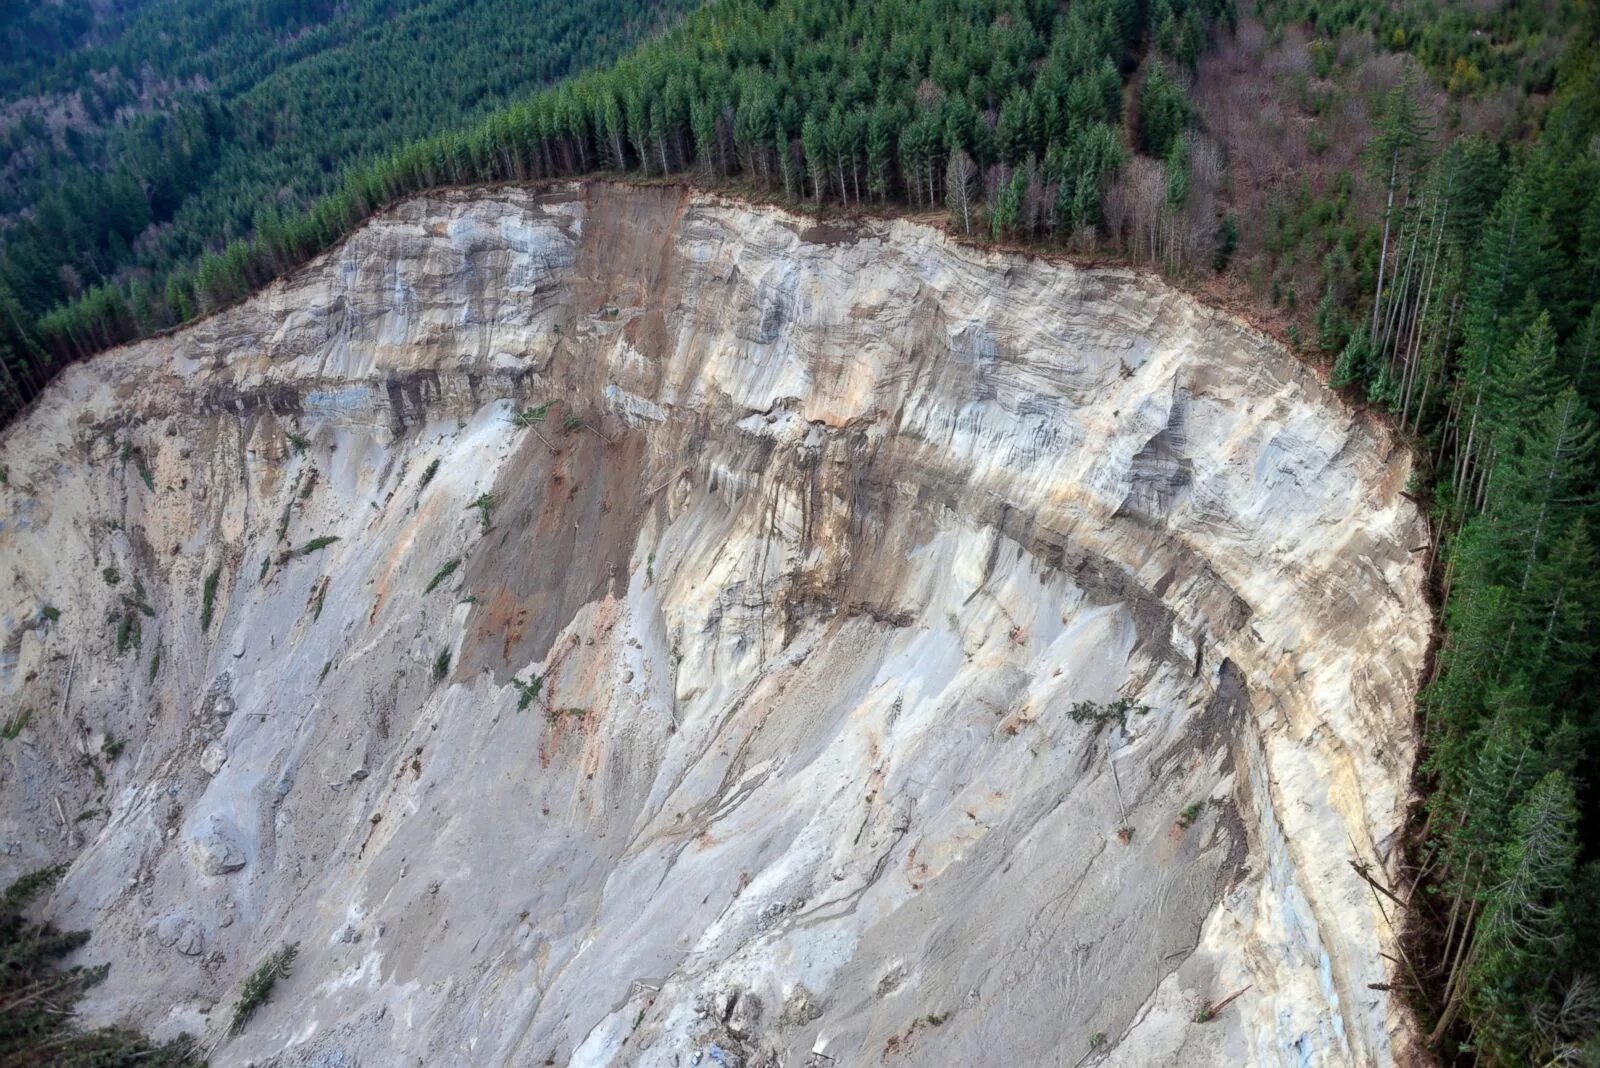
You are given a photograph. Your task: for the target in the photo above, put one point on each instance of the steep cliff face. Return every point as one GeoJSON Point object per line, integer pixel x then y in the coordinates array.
{"type": "Point", "coordinates": [825, 542]}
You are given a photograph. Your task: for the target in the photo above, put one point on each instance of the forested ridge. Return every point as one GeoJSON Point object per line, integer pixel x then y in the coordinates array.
{"type": "Point", "coordinates": [1441, 254]}
{"type": "Point", "coordinates": [137, 136]}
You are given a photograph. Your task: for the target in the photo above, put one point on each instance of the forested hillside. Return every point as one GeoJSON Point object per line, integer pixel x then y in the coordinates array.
{"type": "Point", "coordinates": [136, 136]}
{"type": "Point", "coordinates": [1409, 195]}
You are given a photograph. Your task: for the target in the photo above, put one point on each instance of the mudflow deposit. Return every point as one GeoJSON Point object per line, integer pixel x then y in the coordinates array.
{"type": "Point", "coordinates": [627, 626]}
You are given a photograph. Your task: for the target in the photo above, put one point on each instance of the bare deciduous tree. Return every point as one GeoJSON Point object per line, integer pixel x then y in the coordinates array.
{"type": "Point", "coordinates": [961, 189]}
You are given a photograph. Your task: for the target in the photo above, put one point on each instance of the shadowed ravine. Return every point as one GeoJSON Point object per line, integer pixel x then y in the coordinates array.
{"type": "Point", "coordinates": [823, 540]}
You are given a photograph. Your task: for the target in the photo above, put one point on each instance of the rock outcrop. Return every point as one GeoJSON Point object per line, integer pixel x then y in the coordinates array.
{"type": "Point", "coordinates": [625, 626]}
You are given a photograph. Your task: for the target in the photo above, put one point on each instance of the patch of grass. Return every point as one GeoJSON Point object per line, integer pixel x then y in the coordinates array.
{"type": "Point", "coordinates": [125, 453]}
{"type": "Point", "coordinates": [1097, 1040]}
{"type": "Point", "coordinates": [5, 476]}
{"type": "Point", "coordinates": [155, 665]}
{"type": "Point", "coordinates": [325, 669]}
{"type": "Point", "coordinates": [322, 595]}
{"type": "Point", "coordinates": [112, 747]}
{"type": "Point", "coordinates": [87, 814]}
{"type": "Point", "coordinates": [258, 987]}
{"type": "Point", "coordinates": [144, 471]}
{"type": "Point", "coordinates": [572, 422]}
{"type": "Point", "coordinates": [936, 1019]}
{"type": "Point", "coordinates": [111, 575]}
{"type": "Point", "coordinates": [484, 504]}
{"type": "Point", "coordinates": [428, 473]}
{"type": "Point", "coordinates": [1099, 714]}
{"type": "Point", "coordinates": [444, 572]}
{"type": "Point", "coordinates": [266, 562]}
{"type": "Point", "coordinates": [1190, 813]}
{"type": "Point", "coordinates": [527, 692]}
{"type": "Point", "coordinates": [441, 665]}
{"type": "Point", "coordinates": [16, 724]}
{"type": "Point", "coordinates": [50, 612]}
{"type": "Point", "coordinates": [208, 597]}
{"type": "Point", "coordinates": [300, 443]}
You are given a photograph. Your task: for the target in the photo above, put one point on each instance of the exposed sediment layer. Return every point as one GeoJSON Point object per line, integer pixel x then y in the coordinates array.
{"type": "Point", "coordinates": [826, 538]}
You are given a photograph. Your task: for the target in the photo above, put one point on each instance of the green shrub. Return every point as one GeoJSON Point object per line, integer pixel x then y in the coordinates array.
{"type": "Point", "coordinates": [128, 632]}
{"type": "Point", "coordinates": [16, 724]}
{"type": "Point", "coordinates": [258, 987]}
{"type": "Point", "coordinates": [1099, 714]}
{"type": "Point", "coordinates": [441, 665]}
{"type": "Point", "coordinates": [208, 597]}
{"type": "Point", "coordinates": [527, 692]}
{"type": "Point", "coordinates": [530, 417]}
{"type": "Point", "coordinates": [484, 504]}
{"type": "Point", "coordinates": [316, 545]}
{"type": "Point", "coordinates": [444, 572]}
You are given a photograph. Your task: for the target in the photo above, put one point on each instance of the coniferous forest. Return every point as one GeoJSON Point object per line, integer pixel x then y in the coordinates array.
{"type": "Point", "coordinates": [1408, 195]}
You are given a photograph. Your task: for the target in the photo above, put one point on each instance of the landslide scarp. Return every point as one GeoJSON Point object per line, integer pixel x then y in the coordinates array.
{"type": "Point", "coordinates": [645, 625]}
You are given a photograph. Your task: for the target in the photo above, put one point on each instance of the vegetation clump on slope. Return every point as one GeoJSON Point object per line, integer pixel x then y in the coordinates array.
{"type": "Point", "coordinates": [259, 985]}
